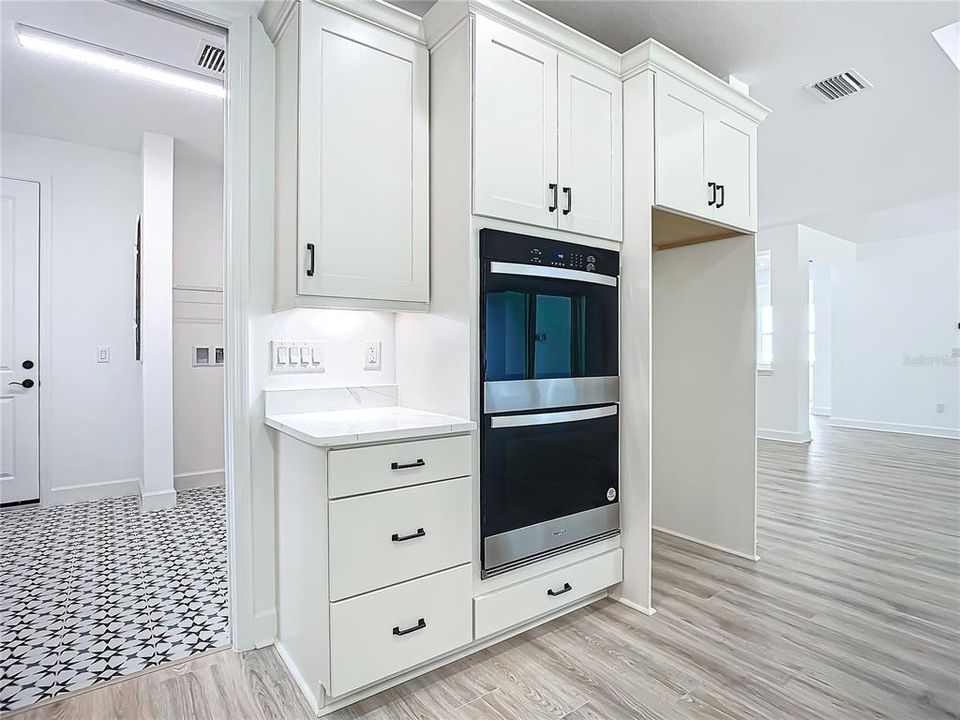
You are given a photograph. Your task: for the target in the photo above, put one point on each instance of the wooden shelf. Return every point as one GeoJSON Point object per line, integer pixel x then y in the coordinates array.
{"type": "Point", "coordinates": [671, 230]}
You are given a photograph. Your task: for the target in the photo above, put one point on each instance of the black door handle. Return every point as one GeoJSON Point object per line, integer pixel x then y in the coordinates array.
{"type": "Point", "coordinates": [398, 466]}
{"type": "Point", "coordinates": [569, 193]}
{"type": "Point", "coordinates": [313, 256]}
{"type": "Point", "coordinates": [713, 198]}
{"type": "Point", "coordinates": [27, 364]}
{"type": "Point", "coordinates": [553, 186]}
{"type": "Point", "coordinates": [720, 202]}
{"type": "Point", "coordinates": [566, 588]}
{"type": "Point", "coordinates": [400, 538]}
{"type": "Point", "coordinates": [421, 624]}
{"type": "Point", "coordinates": [28, 383]}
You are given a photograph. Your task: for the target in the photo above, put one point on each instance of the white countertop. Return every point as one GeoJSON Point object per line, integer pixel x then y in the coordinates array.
{"type": "Point", "coordinates": [353, 427]}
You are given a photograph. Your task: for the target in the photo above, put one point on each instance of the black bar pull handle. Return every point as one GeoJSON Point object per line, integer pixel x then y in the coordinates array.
{"type": "Point", "coordinates": [421, 624]}
{"type": "Point", "coordinates": [553, 187]}
{"type": "Point", "coordinates": [569, 193]}
{"type": "Point", "coordinates": [567, 587]}
{"type": "Point", "coordinates": [713, 197]}
{"type": "Point", "coordinates": [722, 197]}
{"type": "Point", "coordinates": [404, 466]}
{"type": "Point", "coordinates": [400, 538]}
{"type": "Point", "coordinates": [311, 248]}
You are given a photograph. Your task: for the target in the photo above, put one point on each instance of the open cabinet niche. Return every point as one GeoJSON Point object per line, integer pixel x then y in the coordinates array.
{"type": "Point", "coordinates": [703, 383]}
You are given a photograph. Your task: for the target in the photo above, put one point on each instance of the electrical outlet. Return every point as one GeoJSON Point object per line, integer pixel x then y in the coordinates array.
{"type": "Point", "coordinates": [371, 356]}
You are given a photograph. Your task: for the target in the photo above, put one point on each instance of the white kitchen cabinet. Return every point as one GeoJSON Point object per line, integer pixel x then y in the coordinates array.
{"type": "Point", "coordinates": [590, 158]}
{"type": "Point", "coordinates": [352, 164]}
{"type": "Point", "coordinates": [546, 144]}
{"type": "Point", "coordinates": [705, 160]}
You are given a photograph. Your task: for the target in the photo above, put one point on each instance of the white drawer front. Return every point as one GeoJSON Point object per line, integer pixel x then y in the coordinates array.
{"type": "Point", "coordinates": [502, 609]}
{"type": "Point", "coordinates": [385, 632]}
{"type": "Point", "coordinates": [388, 537]}
{"type": "Point", "coordinates": [353, 471]}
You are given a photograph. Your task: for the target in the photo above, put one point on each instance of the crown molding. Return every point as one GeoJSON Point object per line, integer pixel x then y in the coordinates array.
{"type": "Point", "coordinates": [651, 55]}
{"type": "Point", "coordinates": [275, 13]}
{"type": "Point", "coordinates": [274, 16]}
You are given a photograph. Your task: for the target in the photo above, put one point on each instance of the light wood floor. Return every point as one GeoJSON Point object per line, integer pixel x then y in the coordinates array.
{"type": "Point", "coordinates": [853, 612]}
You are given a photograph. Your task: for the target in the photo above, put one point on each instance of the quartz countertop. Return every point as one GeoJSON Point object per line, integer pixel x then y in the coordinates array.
{"type": "Point", "coordinates": [337, 428]}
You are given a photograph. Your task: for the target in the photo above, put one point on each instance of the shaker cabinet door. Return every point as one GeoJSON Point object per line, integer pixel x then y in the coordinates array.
{"type": "Point", "coordinates": [731, 163]}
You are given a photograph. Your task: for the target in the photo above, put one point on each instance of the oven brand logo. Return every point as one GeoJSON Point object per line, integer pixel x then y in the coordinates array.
{"type": "Point", "coordinates": [612, 494]}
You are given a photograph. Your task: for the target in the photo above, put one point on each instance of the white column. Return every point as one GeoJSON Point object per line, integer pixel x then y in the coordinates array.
{"type": "Point", "coordinates": [156, 161]}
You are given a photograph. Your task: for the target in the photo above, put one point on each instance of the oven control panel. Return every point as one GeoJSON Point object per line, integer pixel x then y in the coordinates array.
{"type": "Point", "coordinates": [585, 260]}
{"type": "Point", "coordinates": [512, 247]}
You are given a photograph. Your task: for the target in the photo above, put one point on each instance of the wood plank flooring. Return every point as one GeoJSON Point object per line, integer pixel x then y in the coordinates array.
{"type": "Point", "coordinates": [853, 612]}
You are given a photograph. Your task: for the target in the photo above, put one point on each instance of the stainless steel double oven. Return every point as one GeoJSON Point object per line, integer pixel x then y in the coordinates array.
{"type": "Point", "coordinates": [549, 436]}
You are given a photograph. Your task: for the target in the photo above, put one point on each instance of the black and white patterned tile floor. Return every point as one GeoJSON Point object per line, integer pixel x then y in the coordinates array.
{"type": "Point", "coordinates": [95, 590]}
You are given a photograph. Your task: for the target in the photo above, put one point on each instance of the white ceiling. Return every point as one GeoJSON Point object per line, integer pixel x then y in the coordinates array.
{"type": "Point", "coordinates": [879, 165]}
{"type": "Point", "coordinates": [56, 98]}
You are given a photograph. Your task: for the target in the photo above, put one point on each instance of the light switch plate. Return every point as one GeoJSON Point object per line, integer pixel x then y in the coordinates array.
{"type": "Point", "coordinates": [103, 354]}
{"type": "Point", "coordinates": [287, 356]}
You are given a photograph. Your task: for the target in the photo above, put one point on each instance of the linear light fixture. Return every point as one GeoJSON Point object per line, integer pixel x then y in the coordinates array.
{"type": "Point", "coordinates": [49, 43]}
{"type": "Point", "coordinates": [948, 38]}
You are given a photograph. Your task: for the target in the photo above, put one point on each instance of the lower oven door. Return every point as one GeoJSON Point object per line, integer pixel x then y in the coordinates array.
{"type": "Point", "coordinates": [548, 481]}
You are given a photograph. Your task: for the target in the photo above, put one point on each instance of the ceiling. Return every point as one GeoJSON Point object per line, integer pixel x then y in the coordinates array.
{"type": "Point", "coordinates": [52, 97]}
{"type": "Point", "coordinates": [879, 165]}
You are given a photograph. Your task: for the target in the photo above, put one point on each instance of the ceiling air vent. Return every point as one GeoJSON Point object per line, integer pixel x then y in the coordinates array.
{"type": "Point", "coordinates": [210, 58]}
{"type": "Point", "coordinates": [838, 86]}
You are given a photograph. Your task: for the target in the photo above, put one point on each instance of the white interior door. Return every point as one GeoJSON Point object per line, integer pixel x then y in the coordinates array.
{"type": "Point", "coordinates": [515, 126]}
{"type": "Point", "coordinates": [19, 350]}
{"type": "Point", "coordinates": [590, 133]}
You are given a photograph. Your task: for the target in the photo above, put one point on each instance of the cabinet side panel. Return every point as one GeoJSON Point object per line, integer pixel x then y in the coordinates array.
{"type": "Point", "coordinates": [287, 142]}
{"type": "Point", "coordinates": [443, 337]}
{"type": "Point", "coordinates": [635, 349]}
{"type": "Point", "coordinates": [303, 608]}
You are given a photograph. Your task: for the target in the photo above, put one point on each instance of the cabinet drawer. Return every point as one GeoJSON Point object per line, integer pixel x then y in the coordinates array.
{"type": "Point", "coordinates": [400, 534]}
{"type": "Point", "coordinates": [385, 632]}
{"type": "Point", "coordinates": [354, 471]}
{"type": "Point", "coordinates": [516, 604]}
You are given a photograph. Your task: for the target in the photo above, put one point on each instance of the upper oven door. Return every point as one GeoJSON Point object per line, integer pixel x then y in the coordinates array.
{"type": "Point", "coordinates": [549, 337]}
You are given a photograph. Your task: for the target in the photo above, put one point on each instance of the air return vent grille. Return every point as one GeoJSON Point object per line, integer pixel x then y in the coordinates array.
{"type": "Point", "coordinates": [211, 58]}
{"type": "Point", "coordinates": [839, 86]}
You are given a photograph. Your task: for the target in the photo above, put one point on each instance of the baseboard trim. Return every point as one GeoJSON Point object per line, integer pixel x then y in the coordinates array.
{"type": "Point", "coordinates": [783, 436]}
{"type": "Point", "coordinates": [632, 605]}
{"type": "Point", "coordinates": [199, 479]}
{"type": "Point", "coordinates": [821, 411]}
{"type": "Point", "coordinates": [265, 628]}
{"type": "Point", "coordinates": [158, 500]}
{"type": "Point", "coordinates": [712, 546]}
{"type": "Point", "coordinates": [92, 491]}
{"type": "Point", "coordinates": [297, 676]}
{"type": "Point", "coordinates": [927, 430]}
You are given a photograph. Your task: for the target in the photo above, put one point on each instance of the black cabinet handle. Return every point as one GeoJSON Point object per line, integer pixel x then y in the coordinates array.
{"type": "Point", "coordinates": [400, 538]}
{"type": "Point", "coordinates": [313, 256]}
{"type": "Point", "coordinates": [553, 186]}
{"type": "Point", "coordinates": [421, 624]}
{"type": "Point", "coordinates": [569, 193]}
{"type": "Point", "coordinates": [566, 588]}
{"type": "Point", "coordinates": [398, 466]}
{"type": "Point", "coordinates": [720, 202]}
{"type": "Point", "coordinates": [713, 197]}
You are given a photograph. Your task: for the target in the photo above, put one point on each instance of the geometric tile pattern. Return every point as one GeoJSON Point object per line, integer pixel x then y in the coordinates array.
{"type": "Point", "coordinates": [95, 590]}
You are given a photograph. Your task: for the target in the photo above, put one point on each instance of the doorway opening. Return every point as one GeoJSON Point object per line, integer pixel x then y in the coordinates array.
{"type": "Point", "coordinates": [113, 532]}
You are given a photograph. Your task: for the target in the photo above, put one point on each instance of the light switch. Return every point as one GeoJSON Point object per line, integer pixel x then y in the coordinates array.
{"type": "Point", "coordinates": [304, 355]}
{"type": "Point", "coordinates": [317, 354]}
{"type": "Point", "coordinates": [103, 354]}
{"type": "Point", "coordinates": [283, 354]}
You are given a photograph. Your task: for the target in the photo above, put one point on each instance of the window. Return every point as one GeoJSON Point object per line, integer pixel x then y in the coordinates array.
{"type": "Point", "coordinates": [764, 313]}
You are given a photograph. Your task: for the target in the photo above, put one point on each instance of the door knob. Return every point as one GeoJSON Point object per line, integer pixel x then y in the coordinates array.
{"type": "Point", "coordinates": [27, 364]}
{"type": "Point", "coordinates": [28, 383]}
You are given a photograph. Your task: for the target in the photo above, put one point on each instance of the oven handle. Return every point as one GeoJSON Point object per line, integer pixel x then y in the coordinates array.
{"type": "Point", "coordinates": [551, 418]}
{"type": "Point", "coordinates": [505, 268]}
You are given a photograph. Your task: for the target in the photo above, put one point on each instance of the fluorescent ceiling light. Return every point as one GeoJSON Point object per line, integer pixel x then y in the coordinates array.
{"type": "Point", "coordinates": [89, 54]}
{"type": "Point", "coordinates": [948, 38]}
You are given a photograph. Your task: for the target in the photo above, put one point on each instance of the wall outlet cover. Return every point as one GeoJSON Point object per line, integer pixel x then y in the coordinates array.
{"type": "Point", "coordinates": [371, 355]}
{"type": "Point", "coordinates": [103, 354]}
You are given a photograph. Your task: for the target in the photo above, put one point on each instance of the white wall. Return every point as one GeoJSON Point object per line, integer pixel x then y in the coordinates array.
{"type": "Point", "coordinates": [198, 447]}
{"type": "Point", "coordinates": [704, 393]}
{"type": "Point", "coordinates": [820, 274]}
{"type": "Point", "coordinates": [91, 427]}
{"type": "Point", "coordinates": [895, 314]}
{"type": "Point", "coordinates": [156, 281]}
{"type": "Point", "coordinates": [783, 395]}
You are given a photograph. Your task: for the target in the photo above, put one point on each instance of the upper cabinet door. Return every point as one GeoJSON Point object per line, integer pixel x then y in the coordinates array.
{"type": "Point", "coordinates": [363, 160]}
{"type": "Point", "coordinates": [590, 134]}
{"type": "Point", "coordinates": [680, 120]}
{"type": "Point", "coordinates": [515, 126]}
{"type": "Point", "coordinates": [731, 162]}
